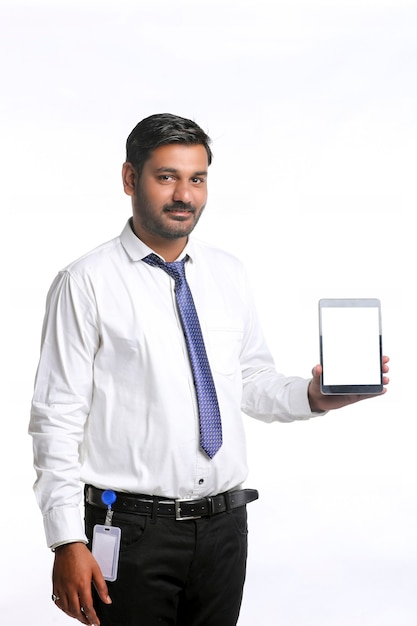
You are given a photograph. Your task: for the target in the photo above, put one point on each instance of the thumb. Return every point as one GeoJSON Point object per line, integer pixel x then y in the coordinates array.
{"type": "Point", "coordinates": [100, 585]}
{"type": "Point", "coordinates": [316, 371]}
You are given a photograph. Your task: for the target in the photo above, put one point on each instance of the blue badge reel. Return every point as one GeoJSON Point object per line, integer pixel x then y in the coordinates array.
{"type": "Point", "coordinates": [106, 540]}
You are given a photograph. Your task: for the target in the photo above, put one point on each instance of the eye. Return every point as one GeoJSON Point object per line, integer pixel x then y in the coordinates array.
{"type": "Point", "coordinates": [165, 178]}
{"type": "Point", "coordinates": [197, 180]}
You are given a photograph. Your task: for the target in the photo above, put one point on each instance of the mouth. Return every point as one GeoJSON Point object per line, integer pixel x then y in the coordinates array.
{"type": "Point", "coordinates": [179, 212]}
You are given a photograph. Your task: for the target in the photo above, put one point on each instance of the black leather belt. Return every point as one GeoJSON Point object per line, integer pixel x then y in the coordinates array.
{"type": "Point", "coordinates": [180, 509]}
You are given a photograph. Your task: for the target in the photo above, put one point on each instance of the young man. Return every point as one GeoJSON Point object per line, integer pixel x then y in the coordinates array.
{"type": "Point", "coordinates": [139, 391]}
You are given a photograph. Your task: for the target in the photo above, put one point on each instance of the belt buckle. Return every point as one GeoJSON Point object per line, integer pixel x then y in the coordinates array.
{"type": "Point", "coordinates": [178, 516]}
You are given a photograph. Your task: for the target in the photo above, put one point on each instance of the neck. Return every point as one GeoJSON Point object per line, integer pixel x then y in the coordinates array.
{"type": "Point", "coordinates": [168, 251]}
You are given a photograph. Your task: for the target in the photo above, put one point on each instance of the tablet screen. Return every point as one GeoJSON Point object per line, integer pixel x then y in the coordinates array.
{"type": "Point", "coordinates": [350, 346]}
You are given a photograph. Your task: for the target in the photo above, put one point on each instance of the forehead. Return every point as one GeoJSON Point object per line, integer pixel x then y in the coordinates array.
{"type": "Point", "coordinates": [180, 157]}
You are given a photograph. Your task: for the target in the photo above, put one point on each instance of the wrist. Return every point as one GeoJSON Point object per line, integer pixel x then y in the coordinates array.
{"type": "Point", "coordinates": [65, 544]}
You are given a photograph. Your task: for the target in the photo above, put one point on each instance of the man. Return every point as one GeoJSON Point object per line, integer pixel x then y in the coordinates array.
{"type": "Point", "coordinates": [120, 402]}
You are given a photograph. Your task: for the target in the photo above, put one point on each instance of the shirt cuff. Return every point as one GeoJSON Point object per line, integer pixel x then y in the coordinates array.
{"type": "Point", "coordinates": [64, 525]}
{"type": "Point", "coordinates": [300, 404]}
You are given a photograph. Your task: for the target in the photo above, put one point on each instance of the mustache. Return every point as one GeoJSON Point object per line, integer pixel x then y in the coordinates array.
{"type": "Point", "coordinates": [180, 206]}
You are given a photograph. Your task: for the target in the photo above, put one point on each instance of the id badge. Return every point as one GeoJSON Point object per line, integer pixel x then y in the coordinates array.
{"type": "Point", "coordinates": [105, 549]}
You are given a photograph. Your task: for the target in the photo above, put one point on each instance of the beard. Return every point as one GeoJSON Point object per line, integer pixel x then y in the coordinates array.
{"type": "Point", "coordinates": [166, 223]}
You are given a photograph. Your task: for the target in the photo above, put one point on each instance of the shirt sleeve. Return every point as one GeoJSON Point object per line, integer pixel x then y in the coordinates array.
{"type": "Point", "coordinates": [60, 406]}
{"type": "Point", "coordinates": [268, 395]}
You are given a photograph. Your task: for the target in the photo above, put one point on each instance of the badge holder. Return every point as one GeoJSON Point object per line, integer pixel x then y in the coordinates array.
{"type": "Point", "coordinates": [106, 540]}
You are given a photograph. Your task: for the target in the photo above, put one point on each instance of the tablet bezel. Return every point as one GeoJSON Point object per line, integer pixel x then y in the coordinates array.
{"type": "Point", "coordinates": [349, 389]}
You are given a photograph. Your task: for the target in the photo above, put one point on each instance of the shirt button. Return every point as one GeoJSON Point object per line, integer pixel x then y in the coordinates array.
{"type": "Point", "coordinates": [200, 482]}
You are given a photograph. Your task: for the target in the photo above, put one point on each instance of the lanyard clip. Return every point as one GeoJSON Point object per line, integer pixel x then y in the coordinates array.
{"type": "Point", "coordinates": [108, 497]}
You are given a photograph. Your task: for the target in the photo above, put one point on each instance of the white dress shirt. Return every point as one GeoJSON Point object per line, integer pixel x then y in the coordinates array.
{"type": "Point", "coordinates": [114, 402]}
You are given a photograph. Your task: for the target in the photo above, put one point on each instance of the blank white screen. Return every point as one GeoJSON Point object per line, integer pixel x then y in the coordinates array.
{"type": "Point", "coordinates": [350, 345]}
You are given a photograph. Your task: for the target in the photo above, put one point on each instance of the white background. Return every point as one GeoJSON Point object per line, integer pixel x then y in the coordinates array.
{"type": "Point", "coordinates": [312, 110]}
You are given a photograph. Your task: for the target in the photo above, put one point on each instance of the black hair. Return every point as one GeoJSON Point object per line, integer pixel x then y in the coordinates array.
{"type": "Point", "coordinates": [159, 130]}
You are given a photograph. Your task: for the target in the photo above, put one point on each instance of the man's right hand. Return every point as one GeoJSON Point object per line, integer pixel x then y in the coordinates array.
{"type": "Point", "coordinates": [75, 570]}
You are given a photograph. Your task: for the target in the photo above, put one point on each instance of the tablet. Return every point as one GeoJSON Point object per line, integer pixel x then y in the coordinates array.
{"type": "Point", "coordinates": [350, 346]}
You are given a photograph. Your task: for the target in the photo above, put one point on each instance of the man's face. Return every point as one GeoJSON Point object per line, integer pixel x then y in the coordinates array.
{"type": "Point", "coordinates": [170, 194]}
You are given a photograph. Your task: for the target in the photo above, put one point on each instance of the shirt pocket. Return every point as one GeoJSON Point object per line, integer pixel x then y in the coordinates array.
{"type": "Point", "coordinates": [224, 350]}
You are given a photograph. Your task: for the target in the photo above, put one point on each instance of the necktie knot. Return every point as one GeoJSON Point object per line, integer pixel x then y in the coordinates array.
{"type": "Point", "coordinates": [176, 269]}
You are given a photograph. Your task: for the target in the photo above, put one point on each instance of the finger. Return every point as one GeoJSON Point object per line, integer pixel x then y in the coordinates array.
{"type": "Point", "coordinates": [87, 611]}
{"type": "Point", "coordinates": [72, 607]}
{"type": "Point", "coordinates": [101, 586]}
{"type": "Point", "coordinates": [90, 616]}
{"type": "Point", "coordinates": [58, 602]}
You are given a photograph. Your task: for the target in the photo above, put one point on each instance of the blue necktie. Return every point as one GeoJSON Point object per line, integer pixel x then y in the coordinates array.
{"type": "Point", "coordinates": [208, 407]}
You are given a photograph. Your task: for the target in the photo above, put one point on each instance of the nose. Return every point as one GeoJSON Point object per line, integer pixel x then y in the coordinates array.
{"type": "Point", "coordinates": [182, 191]}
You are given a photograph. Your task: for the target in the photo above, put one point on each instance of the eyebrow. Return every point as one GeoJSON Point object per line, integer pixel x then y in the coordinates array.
{"type": "Point", "coordinates": [173, 170]}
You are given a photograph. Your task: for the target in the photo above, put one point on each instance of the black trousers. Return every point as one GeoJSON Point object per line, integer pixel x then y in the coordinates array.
{"type": "Point", "coordinates": [175, 573]}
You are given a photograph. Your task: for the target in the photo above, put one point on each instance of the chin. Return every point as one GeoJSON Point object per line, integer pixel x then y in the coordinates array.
{"type": "Point", "coordinates": [177, 234]}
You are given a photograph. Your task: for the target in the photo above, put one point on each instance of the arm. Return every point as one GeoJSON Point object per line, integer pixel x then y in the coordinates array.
{"type": "Point", "coordinates": [267, 394]}
{"type": "Point", "coordinates": [60, 408]}
{"type": "Point", "coordinates": [270, 396]}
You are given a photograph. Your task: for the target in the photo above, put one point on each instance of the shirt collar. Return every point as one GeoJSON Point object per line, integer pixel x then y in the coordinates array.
{"type": "Point", "coordinates": [137, 250]}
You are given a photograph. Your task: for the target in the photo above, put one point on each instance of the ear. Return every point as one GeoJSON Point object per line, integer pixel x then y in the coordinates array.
{"type": "Point", "coordinates": [129, 177]}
